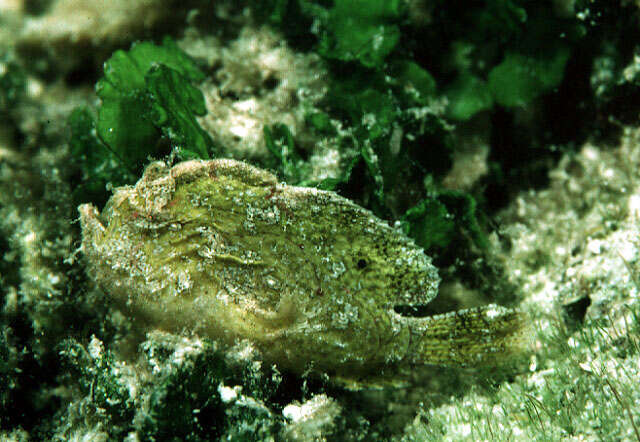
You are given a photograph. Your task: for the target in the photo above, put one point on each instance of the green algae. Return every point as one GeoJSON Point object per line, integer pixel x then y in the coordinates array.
{"type": "Point", "coordinates": [146, 96]}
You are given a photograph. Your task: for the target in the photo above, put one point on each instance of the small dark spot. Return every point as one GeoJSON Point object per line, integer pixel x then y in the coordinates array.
{"type": "Point", "coordinates": [362, 264]}
{"type": "Point", "coordinates": [270, 83]}
{"type": "Point", "coordinates": [411, 311]}
{"type": "Point", "coordinates": [294, 100]}
{"type": "Point", "coordinates": [84, 74]}
{"type": "Point", "coordinates": [36, 7]}
{"type": "Point", "coordinates": [575, 311]}
{"type": "Point", "coordinates": [230, 95]}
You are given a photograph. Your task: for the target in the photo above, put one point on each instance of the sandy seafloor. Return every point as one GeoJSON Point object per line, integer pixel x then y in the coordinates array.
{"type": "Point", "coordinates": [571, 248]}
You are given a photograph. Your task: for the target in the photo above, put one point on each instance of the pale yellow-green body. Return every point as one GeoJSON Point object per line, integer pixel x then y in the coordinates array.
{"type": "Point", "coordinates": [221, 249]}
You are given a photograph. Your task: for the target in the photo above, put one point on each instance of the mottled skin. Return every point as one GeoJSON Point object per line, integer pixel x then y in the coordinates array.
{"type": "Point", "coordinates": [222, 249]}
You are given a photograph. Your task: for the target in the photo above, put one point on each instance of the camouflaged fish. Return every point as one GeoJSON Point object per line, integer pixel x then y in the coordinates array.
{"type": "Point", "coordinates": [222, 249]}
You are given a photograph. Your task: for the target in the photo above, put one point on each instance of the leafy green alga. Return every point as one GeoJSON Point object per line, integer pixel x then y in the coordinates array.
{"type": "Point", "coordinates": [519, 79]}
{"type": "Point", "coordinates": [515, 82]}
{"type": "Point", "coordinates": [467, 96]}
{"type": "Point", "coordinates": [360, 30]}
{"type": "Point", "coordinates": [438, 220]}
{"type": "Point", "coordinates": [147, 97]}
{"type": "Point", "coordinates": [138, 101]}
{"type": "Point", "coordinates": [430, 224]}
{"type": "Point", "coordinates": [279, 141]}
{"type": "Point", "coordinates": [175, 105]}
{"type": "Point", "coordinates": [290, 165]}
{"type": "Point", "coordinates": [320, 122]}
{"type": "Point", "coordinates": [98, 164]}
{"type": "Point", "coordinates": [413, 80]}
{"type": "Point", "coordinates": [393, 128]}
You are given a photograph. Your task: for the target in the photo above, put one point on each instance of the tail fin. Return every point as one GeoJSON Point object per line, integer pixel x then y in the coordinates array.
{"type": "Point", "coordinates": [489, 335]}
